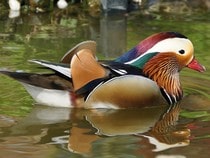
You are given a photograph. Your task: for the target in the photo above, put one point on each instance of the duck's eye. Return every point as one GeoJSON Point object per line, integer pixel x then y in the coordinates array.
{"type": "Point", "coordinates": [181, 51]}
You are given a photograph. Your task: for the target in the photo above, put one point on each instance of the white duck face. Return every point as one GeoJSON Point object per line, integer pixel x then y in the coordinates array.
{"type": "Point", "coordinates": [182, 47]}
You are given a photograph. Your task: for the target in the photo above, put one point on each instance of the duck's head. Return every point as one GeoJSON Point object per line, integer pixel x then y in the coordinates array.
{"type": "Point", "coordinates": [174, 44]}
{"type": "Point", "coordinates": [161, 57]}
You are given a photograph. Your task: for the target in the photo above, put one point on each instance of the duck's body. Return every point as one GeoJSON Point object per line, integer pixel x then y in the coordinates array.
{"type": "Point", "coordinates": [125, 92]}
{"type": "Point", "coordinates": [147, 75]}
{"type": "Point", "coordinates": [57, 89]}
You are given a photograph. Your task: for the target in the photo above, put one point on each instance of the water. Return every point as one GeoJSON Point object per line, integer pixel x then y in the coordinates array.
{"type": "Point", "coordinates": [30, 130]}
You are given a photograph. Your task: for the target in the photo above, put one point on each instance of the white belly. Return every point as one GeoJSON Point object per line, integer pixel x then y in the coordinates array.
{"type": "Point", "coordinates": [50, 97]}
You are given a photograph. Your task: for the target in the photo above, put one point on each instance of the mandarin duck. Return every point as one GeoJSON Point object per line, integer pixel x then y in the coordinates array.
{"type": "Point", "coordinates": [146, 75]}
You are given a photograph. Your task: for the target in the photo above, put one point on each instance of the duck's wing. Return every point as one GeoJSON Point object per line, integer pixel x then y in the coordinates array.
{"type": "Point", "coordinates": [88, 73]}
{"type": "Point", "coordinates": [48, 81]}
{"type": "Point", "coordinates": [64, 66]}
{"type": "Point", "coordinates": [61, 68]}
{"type": "Point", "coordinates": [113, 71]}
{"type": "Point", "coordinates": [83, 45]}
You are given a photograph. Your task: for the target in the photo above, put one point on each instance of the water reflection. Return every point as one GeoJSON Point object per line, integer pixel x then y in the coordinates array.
{"type": "Point", "coordinates": [157, 124]}
{"type": "Point", "coordinates": [113, 34]}
{"type": "Point", "coordinates": [165, 134]}
{"type": "Point", "coordinates": [56, 30]}
{"type": "Point", "coordinates": [152, 128]}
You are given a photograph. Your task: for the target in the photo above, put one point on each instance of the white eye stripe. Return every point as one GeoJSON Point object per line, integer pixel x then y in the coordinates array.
{"type": "Point", "coordinates": [172, 45]}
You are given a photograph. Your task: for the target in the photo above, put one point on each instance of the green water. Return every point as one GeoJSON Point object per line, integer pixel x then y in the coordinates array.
{"type": "Point", "coordinates": [29, 130]}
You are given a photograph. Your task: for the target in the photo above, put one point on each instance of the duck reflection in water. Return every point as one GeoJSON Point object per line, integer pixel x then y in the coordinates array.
{"type": "Point", "coordinates": [142, 130]}
{"type": "Point", "coordinates": [157, 126]}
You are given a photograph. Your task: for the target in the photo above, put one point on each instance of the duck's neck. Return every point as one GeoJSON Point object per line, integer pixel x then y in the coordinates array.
{"type": "Point", "coordinates": [164, 70]}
